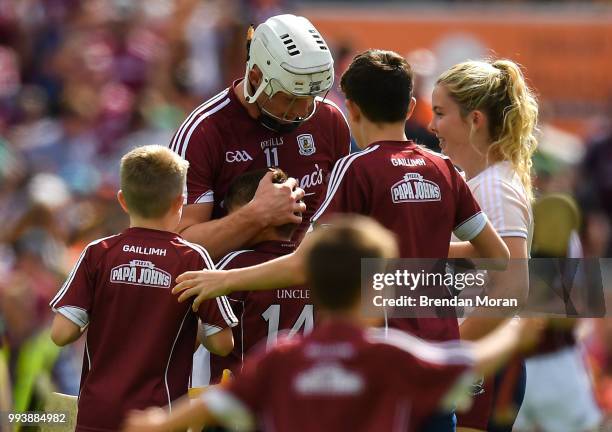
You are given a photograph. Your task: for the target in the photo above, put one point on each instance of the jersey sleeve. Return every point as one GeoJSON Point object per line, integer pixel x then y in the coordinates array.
{"type": "Point", "coordinates": [444, 369]}
{"type": "Point", "coordinates": [235, 260]}
{"type": "Point", "coordinates": [345, 194]}
{"type": "Point", "coordinates": [447, 382]}
{"type": "Point", "coordinates": [506, 207]}
{"type": "Point", "coordinates": [469, 219]}
{"type": "Point", "coordinates": [201, 145]}
{"type": "Point", "coordinates": [228, 410]}
{"type": "Point", "coordinates": [214, 314]}
{"type": "Point", "coordinates": [75, 297]}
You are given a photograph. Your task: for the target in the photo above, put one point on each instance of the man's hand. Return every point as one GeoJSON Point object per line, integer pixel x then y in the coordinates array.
{"type": "Point", "coordinates": [150, 420]}
{"type": "Point", "coordinates": [204, 284]}
{"type": "Point", "coordinates": [277, 204]}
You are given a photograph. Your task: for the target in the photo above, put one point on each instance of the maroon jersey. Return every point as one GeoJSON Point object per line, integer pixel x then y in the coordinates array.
{"type": "Point", "coordinates": [140, 339]}
{"type": "Point", "coordinates": [221, 141]}
{"type": "Point", "coordinates": [344, 378]}
{"type": "Point", "coordinates": [262, 313]}
{"type": "Point", "coordinates": [415, 193]}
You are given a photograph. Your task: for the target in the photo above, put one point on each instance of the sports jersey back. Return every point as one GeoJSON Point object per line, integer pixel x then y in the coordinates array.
{"type": "Point", "coordinates": [262, 314]}
{"type": "Point", "coordinates": [415, 193]}
{"type": "Point", "coordinates": [140, 339]}
{"type": "Point", "coordinates": [345, 378]}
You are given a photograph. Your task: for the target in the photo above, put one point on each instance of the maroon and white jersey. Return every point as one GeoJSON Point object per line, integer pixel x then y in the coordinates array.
{"type": "Point", "coordinates": [140, 339]}
{"type": "Point", "coordinates": [419, 196]}
{"type": "Point", "coordinates": [262, 314]}
{"type": "Point", "coordinates": [221, 141]}
{"type": "Point", "coordinates": [344, 378]}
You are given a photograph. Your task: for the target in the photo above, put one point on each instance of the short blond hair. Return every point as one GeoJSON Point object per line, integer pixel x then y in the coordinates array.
{"type": "Point", "coordinates": [151, 178]}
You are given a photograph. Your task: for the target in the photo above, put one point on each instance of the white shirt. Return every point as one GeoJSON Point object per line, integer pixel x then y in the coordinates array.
{"type": "Point", "coordinates": [501, 195]}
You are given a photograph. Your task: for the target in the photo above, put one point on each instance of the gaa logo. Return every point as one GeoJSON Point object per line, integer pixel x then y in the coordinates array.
{"type": "Point", "coordinates": [306, 144]}
{"type": "Point", "coordinates": [237, 156]}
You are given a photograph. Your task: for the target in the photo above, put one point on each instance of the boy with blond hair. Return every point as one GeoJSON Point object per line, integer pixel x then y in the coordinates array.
{"type": "Point", "coordinates": [140, 340]}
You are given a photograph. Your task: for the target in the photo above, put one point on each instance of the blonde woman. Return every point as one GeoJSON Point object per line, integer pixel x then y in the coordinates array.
{"type": "Point", "coordinates": [484, 116]}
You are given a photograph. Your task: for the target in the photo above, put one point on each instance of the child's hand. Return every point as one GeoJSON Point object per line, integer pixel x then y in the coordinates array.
{"type": "Point", "coordinates": [152, 420]}
{"type": "Point", "coordinates": [203, 284]}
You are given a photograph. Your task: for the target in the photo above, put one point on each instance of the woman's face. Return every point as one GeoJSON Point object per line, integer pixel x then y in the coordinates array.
{"type": "Point", "coordinates": [451, 129]}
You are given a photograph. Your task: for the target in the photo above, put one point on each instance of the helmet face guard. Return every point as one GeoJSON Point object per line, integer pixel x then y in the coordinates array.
{"type": "Point", "coordinates": [285, 123]}
{"type": "Point", "coordinates": [293, 59]}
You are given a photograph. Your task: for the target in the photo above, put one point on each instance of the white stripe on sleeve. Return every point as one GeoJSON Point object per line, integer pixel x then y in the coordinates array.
{"type": "Point", "coordinates": [203, 253]}
{"type": "Point", "coordinates": [75, 314]}
{"type": "Point", "coordinates": [470, 228]}
{"type": "Point", "coordinates": [177, 141]}
{"type": "Point", "coordinates": [444, 353]}
{"type": "Point", "coordinates": [223, 262]}
{"type": "Point", "coordinates": [64, 289]}
{"type": "Point", "coordinates": [336, 178]}
{"type": "Point", "coordinates": [197, 122]}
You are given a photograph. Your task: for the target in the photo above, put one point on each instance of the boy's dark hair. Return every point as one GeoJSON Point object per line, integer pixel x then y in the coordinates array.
{"type": "Point", "coordinates": [380, 83]}
{"type": "Point", "coordinates": [151, 178]}
{"type": "Point", "coordinates": [243, 188]}
{"type": "Point", "coordinates": [333, 259]}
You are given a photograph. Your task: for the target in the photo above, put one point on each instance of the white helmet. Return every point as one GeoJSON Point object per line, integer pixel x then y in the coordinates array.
{"type": "Point", "coordinates": [292, 56]}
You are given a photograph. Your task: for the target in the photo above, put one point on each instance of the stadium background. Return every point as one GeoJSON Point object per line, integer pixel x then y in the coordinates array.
{"type": "Point", "coordinates": [83, 81]}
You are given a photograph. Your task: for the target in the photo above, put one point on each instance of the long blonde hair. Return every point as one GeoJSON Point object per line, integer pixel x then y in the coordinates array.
{"type": "Point", "coordinates": [498, 89]}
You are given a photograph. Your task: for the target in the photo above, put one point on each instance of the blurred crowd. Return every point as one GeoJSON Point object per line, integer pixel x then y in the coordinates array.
{"type": "Point", "coordinates": [83, 81]}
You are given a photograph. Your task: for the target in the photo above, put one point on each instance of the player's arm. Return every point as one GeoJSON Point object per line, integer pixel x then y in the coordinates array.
{"type": "Point", "coordinates": [486, 244]}
{"type": "Point", "coordinates": [273, 205]}
{"type": "Point", "coordinates": [220, 343]}
{"type": "Point", "coordinates": [74, 300]}
{"type": "Point", "coordinates": [281, 272]}
{"type": "Point", "coordinates": [493, 350]}
{"type": "Point", "coordinates": [64, 331]}
{"type": "Point", "coordinates": [185, 413]}
{"type": "Point", "coordinates": [511, 283]}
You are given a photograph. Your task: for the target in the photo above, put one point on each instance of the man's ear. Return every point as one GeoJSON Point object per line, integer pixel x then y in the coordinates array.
{"type": "Point", "coordinates": [354, 111]}
{"type": "Point", "coordinates": [411, 107]}
{"type": "Point", "coordinates": [255, 76]}
{"type": "Point", "coordinates": [122, 202]}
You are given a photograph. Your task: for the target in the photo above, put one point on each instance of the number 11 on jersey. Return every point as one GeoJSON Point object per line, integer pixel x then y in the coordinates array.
{"type": "Point", "coordinates": [271, 156]}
